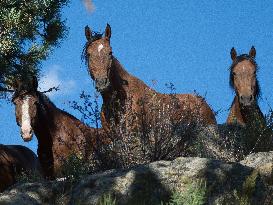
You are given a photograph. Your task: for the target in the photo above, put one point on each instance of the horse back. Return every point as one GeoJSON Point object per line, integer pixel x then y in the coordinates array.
{"type": "Point", "coordinates": [193, 107]}
{"type": "Point", "coordinates": [27, 158]}
{"type": "Point", "coordinates": [13, 160]}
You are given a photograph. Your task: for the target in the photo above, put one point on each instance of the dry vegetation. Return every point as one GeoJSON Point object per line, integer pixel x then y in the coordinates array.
{"type": "Point", "coordinates": [159, 138]}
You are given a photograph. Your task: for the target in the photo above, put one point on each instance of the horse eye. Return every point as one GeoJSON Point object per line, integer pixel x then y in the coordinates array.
{"type": "Point", "coordinates": [233, 73]}
{"type": "Point", "coordinates": [110, 53]}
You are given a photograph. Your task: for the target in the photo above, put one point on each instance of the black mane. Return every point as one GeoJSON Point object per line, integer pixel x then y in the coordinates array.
{"type": "Point", "coordinates": [44, 100]}
{"type": "Point", "coordinates": [238, 60]}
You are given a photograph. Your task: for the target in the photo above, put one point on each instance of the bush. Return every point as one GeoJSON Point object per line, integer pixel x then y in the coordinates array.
{"type": "Point", "coordinates": [107, 199]}
{"type": "Point", "coordinates": [158, 138]}
{"type": "Point", "coordinates": [75, 167]}
{"type": "Point", "coordinates": [195, 194]}
{"type": "Point", "coordinates": [28, 177]}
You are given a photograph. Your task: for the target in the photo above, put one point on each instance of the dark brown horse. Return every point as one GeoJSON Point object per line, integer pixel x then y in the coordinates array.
{"type": "Point", "coordinates": [59, 134]}
{"type": "Point", "coordinates": [14, 159]}
{"type": "Point", "coordinates": [120, 89]}
{"type": "Point", "coordinates": [245, 110]}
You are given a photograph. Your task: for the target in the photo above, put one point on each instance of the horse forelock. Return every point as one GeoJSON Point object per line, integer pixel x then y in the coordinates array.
{"type": "Point", "coordinates": [235, 63]}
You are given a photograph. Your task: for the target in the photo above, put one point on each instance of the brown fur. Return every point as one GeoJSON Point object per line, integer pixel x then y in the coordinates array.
{"type": "Point", "coordinates": [13, 160]}
{"type": "Point", "coordinates": [118, 88]}
{"type": "Point", "coordinates": [244, 109]}
{"type": "Point", "coordinates": [59, 134]}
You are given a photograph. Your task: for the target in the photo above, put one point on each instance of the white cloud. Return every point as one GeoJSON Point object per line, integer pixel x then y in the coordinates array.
{"type": "Point", "coordinates": [52, 79]}
{"type": "Point", "coordinates": [89, 5]}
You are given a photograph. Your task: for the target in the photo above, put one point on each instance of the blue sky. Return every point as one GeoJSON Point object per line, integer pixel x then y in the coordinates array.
{"type": "Point", "coordinates": [183, 42]}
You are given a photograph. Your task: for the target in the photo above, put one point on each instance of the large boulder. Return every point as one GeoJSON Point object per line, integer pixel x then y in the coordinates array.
{"type": "Point", "coordinates": [263, 163]}
{"type": "Point", "coordinates": [222, 183]}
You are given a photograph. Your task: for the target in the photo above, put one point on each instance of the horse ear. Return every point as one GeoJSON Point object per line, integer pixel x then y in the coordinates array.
{"type": "Point", "coordinates": [108, 32]}
{"type": "Point", "coordinates": [35, 83]}
{"type": "Point", "coordinates": [252, 52]}
{"type": "Point", "coordinates": [233, 54]}
{"type": "Point", "coordinates": [88, 33]}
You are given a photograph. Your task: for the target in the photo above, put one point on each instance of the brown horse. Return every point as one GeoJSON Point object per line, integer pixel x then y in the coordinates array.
{"type": "Point", "coordinates": [119, 89]}
{"type": "Point", "coordinates": [14, 159]}
{"type": "Point", "coordinates": [245, 110]}
{"type": "Point", "coordinates": [59, 134]}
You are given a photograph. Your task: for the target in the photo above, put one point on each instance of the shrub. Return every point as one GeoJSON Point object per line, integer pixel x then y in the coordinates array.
{"type": "Point", "coordinates": [74, 167]}
{"type": "Point", "coordinates": [28, 177]}
{"type": "Point", "coordinates": [158, 137]}
{"type": "Point", "coordinates": [107, 199]}
{"type": "Point", "coordinates": [195, 194]}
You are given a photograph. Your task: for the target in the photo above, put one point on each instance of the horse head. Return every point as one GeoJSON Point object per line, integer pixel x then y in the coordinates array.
{"type": "Point", "coordinates": [243, 77]}
{"type": "Point", "coordinates": [26, 100]}
{"type": "Point", "coordinates": [98, 54]}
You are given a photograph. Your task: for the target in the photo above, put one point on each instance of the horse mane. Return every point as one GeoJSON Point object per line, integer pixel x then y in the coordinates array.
{"type": "Point", "coordinates": [3, 156]}
{"type": "Point", "coordinates": [45, 100]}
{"type": "Point", "coordinates": [238, 60]}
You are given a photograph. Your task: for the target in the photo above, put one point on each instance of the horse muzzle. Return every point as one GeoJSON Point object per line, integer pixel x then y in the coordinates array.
{"type": "Point", "coordinates": [102, 84]}
{"type": "Point", "coordinates": [27, 135]}
{"type": "Point", "coordinates": [246, 100]}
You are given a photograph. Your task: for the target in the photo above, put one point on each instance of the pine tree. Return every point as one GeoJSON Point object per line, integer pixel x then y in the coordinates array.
{"type": "Point", "coordinates": [29, 30]}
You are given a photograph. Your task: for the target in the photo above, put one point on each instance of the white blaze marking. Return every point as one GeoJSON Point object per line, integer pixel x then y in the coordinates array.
{"type": "Point", "coordinates": [100, 47]}
{"type": "Point", "coordinates": [26, 127]}
{"type": "Point", "coordinates": [61, 179]}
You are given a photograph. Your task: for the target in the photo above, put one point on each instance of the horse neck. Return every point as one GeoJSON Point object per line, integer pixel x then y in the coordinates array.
{"type": "Point", "coordinates": [50, 117]}
{"type": "Point", "coordinates": [122, 83]}
{"type": "Point", "coordinates": [247, 115]}
{"type": "Point", "coordinates": [51, 127]}
{"type": "Point", "coordinates": [119, 70]}
{"type": "Point", "coordinates": [45, 121]}
{"type": "Point", "coordinates": [42, 130]}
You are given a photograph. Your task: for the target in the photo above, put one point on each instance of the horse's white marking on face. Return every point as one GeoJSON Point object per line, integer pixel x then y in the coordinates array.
{"type": "Point", "coordinates": [61, 179]}
{"type": "Point", "coordinates": [100, 47]}
{"type": "Point", "coordinates": [26, 126]}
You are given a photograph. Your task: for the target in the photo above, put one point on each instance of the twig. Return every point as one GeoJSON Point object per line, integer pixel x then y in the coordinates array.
{"type": "Point", "coordinates": [6, 90]}
{"type": "Point", "coordinates": [51, 89]}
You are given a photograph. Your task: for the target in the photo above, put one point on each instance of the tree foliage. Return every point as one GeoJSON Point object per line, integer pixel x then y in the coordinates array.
{"type": "Point", "coordinates": [29, 29]}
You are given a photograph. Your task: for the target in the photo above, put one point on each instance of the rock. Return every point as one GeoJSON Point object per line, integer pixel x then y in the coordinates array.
{"type": "Point", "coordinates": [263, 163]}
{"type": "Point", "coordinates": [259, 159]}
{"type": "Point", "coordinates": [223, 183]}
{"type": "Point", "coordinates": [210, 142]}
{"type": "Point", "coordinates": [29, 194]}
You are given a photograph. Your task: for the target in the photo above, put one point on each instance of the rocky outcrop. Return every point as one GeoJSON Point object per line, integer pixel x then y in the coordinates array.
{"type": "Point", "coordinates": [263, 163]}
{"type": "Point", "coordinates": [224, 183]}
